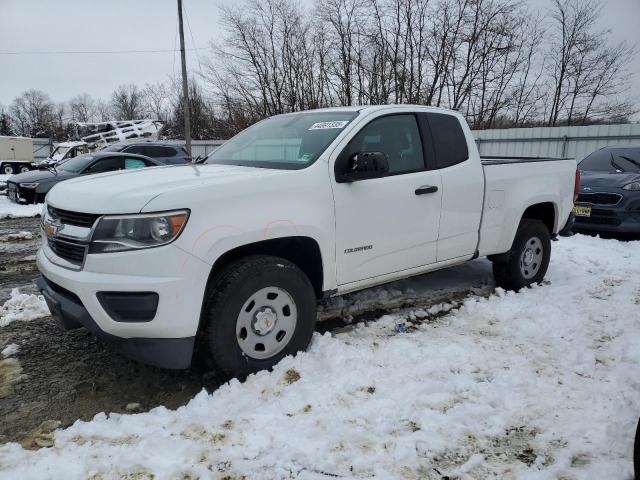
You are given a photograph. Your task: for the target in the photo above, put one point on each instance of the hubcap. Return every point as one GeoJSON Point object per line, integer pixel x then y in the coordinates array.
{"type": "Point", "coordinates": [531, 257]}
{"type": "Point", "coordinates": [266, 322]}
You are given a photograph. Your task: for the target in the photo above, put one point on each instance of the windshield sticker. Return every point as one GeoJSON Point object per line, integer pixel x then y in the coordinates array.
{"type": "Point", "coordinates": [326, 125]}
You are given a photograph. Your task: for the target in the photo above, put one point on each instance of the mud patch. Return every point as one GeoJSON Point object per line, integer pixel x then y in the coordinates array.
{"type": "Point", "coordinates": [10, 374]}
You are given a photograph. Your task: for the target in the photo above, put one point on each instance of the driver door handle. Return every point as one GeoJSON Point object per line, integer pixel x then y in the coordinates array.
{"type": "Point", "coordinates": [426, 189]}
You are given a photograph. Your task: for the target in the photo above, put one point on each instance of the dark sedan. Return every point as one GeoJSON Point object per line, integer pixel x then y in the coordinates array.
{"type": "Point", "coordinates": [609, 197]}
{"type": "Point", "coordinates": [167, 153]}
{"type": "Point", "coordinates": [32, 187]}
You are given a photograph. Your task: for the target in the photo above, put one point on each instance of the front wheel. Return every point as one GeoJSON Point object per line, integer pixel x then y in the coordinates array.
{"type": "Point", "coordinates": [527, 261]}
{"type": "Point", "coordinates": [258, 310]}
{"type": "Point", "coordinates": [24, 169]}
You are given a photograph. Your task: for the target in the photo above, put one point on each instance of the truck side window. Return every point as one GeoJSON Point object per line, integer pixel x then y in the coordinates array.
{"type": "Point", "coordinates": [449, 142]}
{"type": "Point", "coordinates": [397, 136]}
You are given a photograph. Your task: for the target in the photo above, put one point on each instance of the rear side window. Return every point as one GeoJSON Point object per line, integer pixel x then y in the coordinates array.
{"type": "Point", "coordinates": [154, 151]}
{"type": "Point", "coordinates": [137, 149]}
{"type": "Point", "coordinates": [449, 142]}
{"type": "Point", "coordinates": [169, 152]}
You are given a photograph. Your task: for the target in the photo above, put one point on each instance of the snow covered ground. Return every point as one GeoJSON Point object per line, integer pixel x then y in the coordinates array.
{"type": "Point", "coordinates": [22, 307]}
{"type": "Point", "coordinates": [543, 384]}
{"type": "Point", "coordinates": [8, 209]}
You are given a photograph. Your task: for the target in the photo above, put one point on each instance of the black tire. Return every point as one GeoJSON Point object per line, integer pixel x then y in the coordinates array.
{"type": "Point", "coordinates": [7, 169]}
{"type": "Point", "coordinates": [227, 295]}
{"type": "Point", "coordinates": [510, 269]}
{"type": "Point", "coordinates": [24, 169]}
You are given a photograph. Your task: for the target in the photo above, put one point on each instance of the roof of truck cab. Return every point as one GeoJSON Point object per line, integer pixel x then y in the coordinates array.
{"type": "Point", "coordinates": [360, 108]}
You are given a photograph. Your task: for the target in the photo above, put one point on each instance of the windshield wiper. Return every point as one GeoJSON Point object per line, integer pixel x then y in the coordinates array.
{"type": "Point", "coordinates": [630, 160]}
{"type": "Point", "coordinates": [616, 166]}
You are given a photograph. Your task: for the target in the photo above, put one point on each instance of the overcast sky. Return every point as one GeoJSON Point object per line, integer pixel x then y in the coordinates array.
{"type": "Point", "coordinates": [67, 25]}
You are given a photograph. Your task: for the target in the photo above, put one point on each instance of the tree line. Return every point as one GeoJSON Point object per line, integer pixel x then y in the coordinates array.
{"type": "Point", "coordinates": [499, 62]}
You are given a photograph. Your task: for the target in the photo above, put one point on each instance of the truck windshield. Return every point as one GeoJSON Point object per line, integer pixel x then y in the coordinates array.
{"type": "Point", "coordinates": [291, 141]}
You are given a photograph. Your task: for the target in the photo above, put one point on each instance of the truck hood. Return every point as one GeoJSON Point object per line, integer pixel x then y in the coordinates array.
{"type": "Point", "coordinates": [130, 191]}
{"type": "Point", "coordinates": [590, 180]}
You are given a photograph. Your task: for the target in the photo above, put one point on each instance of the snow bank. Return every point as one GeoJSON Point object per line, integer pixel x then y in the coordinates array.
{"type": "Point", "coordinates": [22, 306]}
{"type": "Point", "coordinates": [543, 384]}
{"type": "Point", "coordinates": [8, 209]}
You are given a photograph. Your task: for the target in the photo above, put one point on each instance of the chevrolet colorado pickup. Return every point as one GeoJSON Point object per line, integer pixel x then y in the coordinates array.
{"type": "Point", "coordinates": [230, 257]}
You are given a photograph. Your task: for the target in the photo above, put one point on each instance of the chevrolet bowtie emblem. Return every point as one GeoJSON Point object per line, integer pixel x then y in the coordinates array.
{"type": "Point", "coordinates": [52, 227]}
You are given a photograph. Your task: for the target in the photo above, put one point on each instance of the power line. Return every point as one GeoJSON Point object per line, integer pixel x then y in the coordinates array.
{"type": "Point", "coordinates": [193, 41]}
{"type": "Point", "coordinates": [92, 52]}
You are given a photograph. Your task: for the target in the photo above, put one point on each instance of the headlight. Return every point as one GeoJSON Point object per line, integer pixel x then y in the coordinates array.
{"type": "Point", "coordinates": [29, 185]}
{"type": "Point", "coordinates": [633, 186]}
{"type": "Point", "coordinates": [132, 232]}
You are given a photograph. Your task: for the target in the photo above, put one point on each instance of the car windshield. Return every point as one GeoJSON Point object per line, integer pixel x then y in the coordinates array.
{"type": "Point", "coordinates": [617, 160]}
{"type": "Point", "coordinates": [76, 164]}
{"type": "Point", "coordinates": [290, 141]}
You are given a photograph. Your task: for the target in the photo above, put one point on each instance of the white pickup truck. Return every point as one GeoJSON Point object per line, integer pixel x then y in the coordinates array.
{"type": "Point", "coordinates": [230, 257]}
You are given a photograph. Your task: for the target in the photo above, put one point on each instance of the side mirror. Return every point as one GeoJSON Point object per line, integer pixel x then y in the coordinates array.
{"type": "Point", "coordinates": [361, 166]}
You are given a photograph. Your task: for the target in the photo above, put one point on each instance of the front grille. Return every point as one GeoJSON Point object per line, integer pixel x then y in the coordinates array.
{"type": "Point", "coordinates": [70, 250]}
{"type": "Point", "coordinates": [73, 218]}
{"type": "Point", "coordinates": [599, 198]}
{"type": "Point", "coordinates": [12, 191]}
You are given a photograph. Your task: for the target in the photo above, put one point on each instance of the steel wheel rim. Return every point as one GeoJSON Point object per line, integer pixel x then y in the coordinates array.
{"type": "Point", "coordinates": [531, 257]}
{"type": "Point", "coordinates": [266, 323]}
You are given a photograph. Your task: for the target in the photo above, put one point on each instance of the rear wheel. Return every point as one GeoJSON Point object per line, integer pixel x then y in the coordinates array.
{"type": "Point", "coordinates": [259, 310]}
{"type": "Point", "coordinates": [8, 169]}
{"type": "Point", "coordinates": [527, 261]}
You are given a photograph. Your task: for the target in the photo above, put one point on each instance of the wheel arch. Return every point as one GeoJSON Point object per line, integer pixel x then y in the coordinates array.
{"type": "Point", "coordinates": [302, 251]}
{"type": "Point", "coordinates": [546, 212]}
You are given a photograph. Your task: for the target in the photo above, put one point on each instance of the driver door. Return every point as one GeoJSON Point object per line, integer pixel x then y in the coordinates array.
{"type": "Point", "coordinates": [388, 224]}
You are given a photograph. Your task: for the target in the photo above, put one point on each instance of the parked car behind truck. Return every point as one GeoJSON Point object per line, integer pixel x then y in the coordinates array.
{"type": "Point", "coordinates": [609, 199]}
{"type": "Point", "coordinates": [235, 253]}
{"type": "Point", "coordinates": [32, 187]}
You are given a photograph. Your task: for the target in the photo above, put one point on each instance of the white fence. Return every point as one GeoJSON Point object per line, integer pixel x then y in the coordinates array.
{"type": "Point", "coordinates": [565, 142]}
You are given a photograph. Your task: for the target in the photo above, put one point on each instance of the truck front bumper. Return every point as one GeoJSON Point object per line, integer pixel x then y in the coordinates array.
{"type": "Point", "coordinates": [67, 309]}
{"type": "Point", "coordinates": [161, 333]}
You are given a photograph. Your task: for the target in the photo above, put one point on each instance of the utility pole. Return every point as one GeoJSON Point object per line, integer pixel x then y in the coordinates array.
{"type": "Point", "coordinates": [185, 85]}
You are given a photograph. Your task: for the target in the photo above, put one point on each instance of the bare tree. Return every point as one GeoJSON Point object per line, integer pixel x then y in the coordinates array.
{"type": "Point", "coordinates": [127, 103]}
{"type": "Point", "coordinates": [156, 101]}
{"type": "Point", "coordinates": [82, 108]}
{"type": "Point", "coordinates": [33, 114]}
{"type": "Point", "coordinates": [5, 122]}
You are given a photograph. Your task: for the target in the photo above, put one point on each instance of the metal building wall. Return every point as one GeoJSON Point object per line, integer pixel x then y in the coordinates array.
{"type": "Point", "coordinates": [573, 142]}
